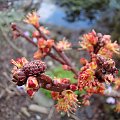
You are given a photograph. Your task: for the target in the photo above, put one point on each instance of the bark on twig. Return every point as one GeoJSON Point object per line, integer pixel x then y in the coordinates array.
{"type": "Point", "coordinates": [47, 83]}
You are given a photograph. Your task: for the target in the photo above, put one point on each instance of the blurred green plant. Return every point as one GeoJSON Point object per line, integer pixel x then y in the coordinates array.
{"type": "Point", "coordinates": [47, 93]}
{"type": "Point", "coordinates": [58, 72]}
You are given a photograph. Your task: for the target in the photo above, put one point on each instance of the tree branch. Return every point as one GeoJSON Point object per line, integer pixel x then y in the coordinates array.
{"type": "Point", "coordinates": [16, 28]}
{"type": "Point", "coordinates": [61, 53]}
{"type": "Point", "coordinates": [47, 83]}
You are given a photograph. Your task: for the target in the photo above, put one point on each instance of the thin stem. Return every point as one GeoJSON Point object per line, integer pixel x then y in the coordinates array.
{"type": "Point", "coordinates": [47, 83]}
{"type": "Point", "coordinates": [16, 28]}
{"type": "Point", "coordinates": [56, 58]}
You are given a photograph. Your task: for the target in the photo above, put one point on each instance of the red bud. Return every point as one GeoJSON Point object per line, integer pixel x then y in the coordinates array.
{"type": "Point", "coordinates": [73, 87]}
{"type": "Point", "coordinates": [32, 82]}
{"type": "Point", "coordinates": [30, 92]}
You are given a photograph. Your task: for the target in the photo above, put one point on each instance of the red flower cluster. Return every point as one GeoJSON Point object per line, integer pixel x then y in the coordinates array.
{"type": "Point", "coordinates": [32, 18]}
{"type": "Point", "coordinates": [32, 85]}
{"type": "Point", "coordinates": [96, 72]}
{"type": "Point", "coordinates": [44, 48]}
{"type": "Point", "coordinates": [89, 41]}
{"type": "Point", "coordinates": [109, 47]}
{"type": "Point", "coordinates": [25, 73]}
{"type": "Point", "coordinates": [67, 101]}
{"type": "Point", "coordinates": [88, 81]}
{"type": "Point", "coordinates": [63, 45]}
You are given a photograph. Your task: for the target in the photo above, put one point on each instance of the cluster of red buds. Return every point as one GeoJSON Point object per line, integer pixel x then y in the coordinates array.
{"type": "Point", "coordinates": [91, 78]}
{"type": "Point", "coordinates": [25, 73]}
{"type": "Point", "coordinates": [67, 101]}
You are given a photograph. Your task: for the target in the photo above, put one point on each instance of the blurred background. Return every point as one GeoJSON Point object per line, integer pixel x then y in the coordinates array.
{"type": "Point", "coordinates": [64, 18]}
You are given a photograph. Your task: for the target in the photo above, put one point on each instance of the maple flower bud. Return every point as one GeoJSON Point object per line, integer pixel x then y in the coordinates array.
{"type": "Point", "coordinates": [19, 75]}
{"type": "Point", "coordinates": [55, 95]}
{"type": "Point", "coordinates": [36, 34]}
{"type": "Point", "coordinates": [32, 82]}
{"type": "Point", "coordinates": [32, 18]}
{"type": "Point", "coordinates": [38, 54]}
{"type": "Point", "coordinates": [23, 69]}
{"type": "Point", "coordinates": [83, 61]}
{"type": "Point", "coordinates": [91, 37]}
{"type": "Point", "coordinates": [61, 81]}
{"type": "Point", "coordinates": [65, 81]}
{"type": "Point", "coordinates": [109, 47]}
{"type": "Point", "coordinates": [44, 30]}
{"type": "Point", "coordinates": [73, 87]}
{"type": "Point", "coordinates": [113, 47]}
{"type": "Point", "coordinates": [63, 45]}
{"type": "Point", "coordinates": [66, 67]}
{"type": "Point", "coordinates": [20, 62]}
{"type": "Point", "coordinates": [32, 85]}
{"type": "Point", "coordinates": [89, 41]}
{"type": "Point", "coordinates": [44, 47]}
{"type": "Point", "coordinates": [31, 92]}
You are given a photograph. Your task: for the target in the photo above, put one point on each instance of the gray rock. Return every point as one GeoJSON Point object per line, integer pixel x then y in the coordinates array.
{"type": "Point", "coordinates": [42, 100]}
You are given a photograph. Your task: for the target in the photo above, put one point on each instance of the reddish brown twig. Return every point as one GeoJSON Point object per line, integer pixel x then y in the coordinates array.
{"type": "Point", "coordinates": [47, 83]}
{"type": "Point", "coordinates": [61, 53]}
{"type": "Point", "coordinates": [56, 58]}
{"type": "Point", "coordinates": [63, 60]}
{"type": "Point", "coordinates": [16, 28]}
